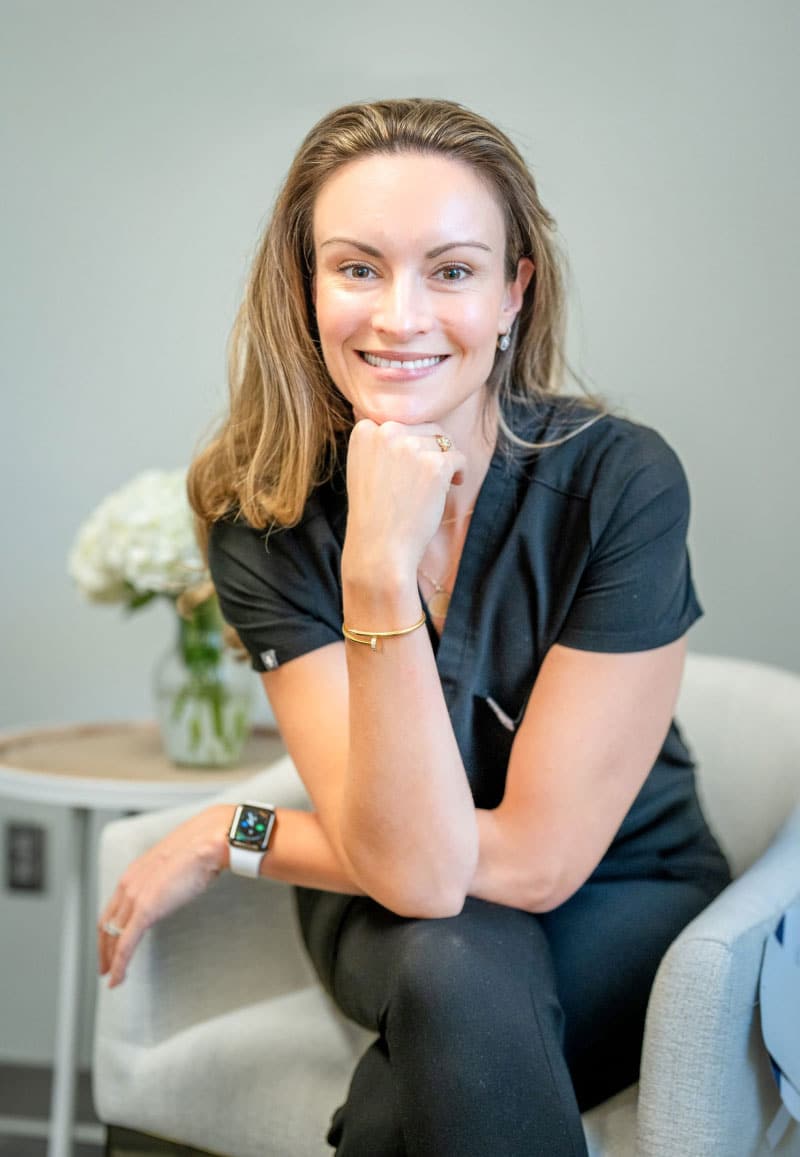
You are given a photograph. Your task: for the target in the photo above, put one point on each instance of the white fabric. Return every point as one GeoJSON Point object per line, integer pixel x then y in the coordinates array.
{"type": "Point", "coordinates": [221, 1027]}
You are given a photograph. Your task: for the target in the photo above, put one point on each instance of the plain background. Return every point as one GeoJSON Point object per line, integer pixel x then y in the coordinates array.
{"type": "Point", "coordinates": [142, 146]}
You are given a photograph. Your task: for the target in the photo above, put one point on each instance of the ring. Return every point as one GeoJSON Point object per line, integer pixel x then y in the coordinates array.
{"type": "Point", "coordinates": [444, 442]}
{"type": "Point", "coordinates": [112, 929]}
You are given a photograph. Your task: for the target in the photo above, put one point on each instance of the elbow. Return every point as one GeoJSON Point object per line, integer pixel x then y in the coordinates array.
{"type": "Point", "coordinates": [551, 886]}
{"type": "Point", "coordinates": [406, 886]}
{"type": "Point", "coordinates": [428, 907]}
{"type": "Point", "coordinates": [420, 899]}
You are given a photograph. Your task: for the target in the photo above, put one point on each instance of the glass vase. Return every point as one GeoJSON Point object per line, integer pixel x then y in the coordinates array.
{"type": "Point", "coordinates": [204, 696]}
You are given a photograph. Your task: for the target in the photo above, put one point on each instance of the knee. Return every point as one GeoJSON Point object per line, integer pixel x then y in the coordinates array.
{"type": "Point", "coordinates": [458, 969]}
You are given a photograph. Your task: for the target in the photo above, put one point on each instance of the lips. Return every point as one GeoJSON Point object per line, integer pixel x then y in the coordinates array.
{"type": "Point", "coordinates": [395, 361]}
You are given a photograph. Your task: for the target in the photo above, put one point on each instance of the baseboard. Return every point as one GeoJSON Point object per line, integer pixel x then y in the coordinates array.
{"type": "Point", "coordinates": [128, 1143]}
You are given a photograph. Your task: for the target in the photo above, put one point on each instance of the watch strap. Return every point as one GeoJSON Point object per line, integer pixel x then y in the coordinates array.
{"type": "Point", "coordinates": [245, 861]}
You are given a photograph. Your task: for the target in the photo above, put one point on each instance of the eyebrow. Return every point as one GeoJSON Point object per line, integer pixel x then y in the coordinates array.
{"type": "Point", "coordinates": [436, 252]}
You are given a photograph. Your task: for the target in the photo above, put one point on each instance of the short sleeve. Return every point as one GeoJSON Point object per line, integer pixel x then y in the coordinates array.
{"type": "Point", "coordinates": [637, 590]}
{"type": "Point", "coordinates": [280, 591]}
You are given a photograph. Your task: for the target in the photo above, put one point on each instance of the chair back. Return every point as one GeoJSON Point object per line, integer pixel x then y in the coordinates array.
{"type": "Point", "coordinates": [741, 721]}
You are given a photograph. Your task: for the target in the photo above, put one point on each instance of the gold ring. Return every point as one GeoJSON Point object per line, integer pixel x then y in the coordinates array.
{"type": "Point", "coordinates": [444, 442]}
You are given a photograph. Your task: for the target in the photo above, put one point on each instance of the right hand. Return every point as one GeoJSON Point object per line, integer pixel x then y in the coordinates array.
{"type": "Point", "coordinates": [397, 483]}
{"type": "Point", "coordinates": [164, 878]}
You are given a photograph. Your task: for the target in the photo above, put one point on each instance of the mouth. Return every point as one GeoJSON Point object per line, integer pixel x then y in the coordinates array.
{"type": "Point", "coordinates": [402, 361]}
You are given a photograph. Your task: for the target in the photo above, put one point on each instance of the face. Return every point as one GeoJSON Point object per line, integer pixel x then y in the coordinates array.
{"type": "Point", "coordinates": [409, 286]}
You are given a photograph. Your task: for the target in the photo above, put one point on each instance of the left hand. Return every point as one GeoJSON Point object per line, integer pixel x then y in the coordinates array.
{"type": "Point", "coordinates": [164, 878]}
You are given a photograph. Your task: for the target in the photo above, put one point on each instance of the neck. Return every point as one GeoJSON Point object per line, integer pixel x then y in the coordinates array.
{"type": "Point", "coordinates": [476, 439]}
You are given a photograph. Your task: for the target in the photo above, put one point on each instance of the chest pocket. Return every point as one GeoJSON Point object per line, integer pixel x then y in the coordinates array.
{"type": "Point", "coordinates": [495, 723]}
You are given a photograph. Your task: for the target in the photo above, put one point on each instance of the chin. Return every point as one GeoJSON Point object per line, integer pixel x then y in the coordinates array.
{"type": "Point", "coordinates": [406, 411]}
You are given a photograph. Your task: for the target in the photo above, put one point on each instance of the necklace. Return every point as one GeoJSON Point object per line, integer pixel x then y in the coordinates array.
{"type": "Point", "coordinates": [448, 521]}
{"type": "Point", "coordinates": [439, 602]}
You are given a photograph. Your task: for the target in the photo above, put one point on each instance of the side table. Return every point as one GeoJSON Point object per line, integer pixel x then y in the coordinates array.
{"type": "Point", "coordinates": [101, 767]}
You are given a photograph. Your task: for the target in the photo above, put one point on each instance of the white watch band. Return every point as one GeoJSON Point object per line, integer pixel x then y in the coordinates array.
{"type": "Point", "coordinates": [247, 861]}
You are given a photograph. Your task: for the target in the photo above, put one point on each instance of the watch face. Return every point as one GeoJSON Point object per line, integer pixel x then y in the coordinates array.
{"type": "Point", "coordinates": [253, 829]}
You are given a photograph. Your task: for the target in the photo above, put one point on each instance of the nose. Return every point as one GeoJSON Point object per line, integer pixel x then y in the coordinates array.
{"type": "Point", "coordinates": [402, 308]}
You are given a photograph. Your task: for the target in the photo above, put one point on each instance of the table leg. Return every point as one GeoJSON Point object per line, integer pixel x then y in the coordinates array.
{"type": "Point", "coordinates": [62, 1104]}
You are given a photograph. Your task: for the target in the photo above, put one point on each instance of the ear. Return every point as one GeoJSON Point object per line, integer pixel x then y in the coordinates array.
{"type": "Point", "coordinates": [515, 290]}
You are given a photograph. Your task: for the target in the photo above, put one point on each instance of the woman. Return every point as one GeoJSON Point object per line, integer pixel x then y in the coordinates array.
{"type": "Point", "coordinates": [467, 595]}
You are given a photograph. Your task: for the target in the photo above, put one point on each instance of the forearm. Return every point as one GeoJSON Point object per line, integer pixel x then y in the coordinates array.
{"type": "Point", "coordinates": [406, 799]}
{"type": "Point", "coordinates": [300, 853]}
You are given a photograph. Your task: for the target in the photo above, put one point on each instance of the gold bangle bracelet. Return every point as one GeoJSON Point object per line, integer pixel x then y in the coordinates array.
{"type": "Point", "coordinates": [371, 637]}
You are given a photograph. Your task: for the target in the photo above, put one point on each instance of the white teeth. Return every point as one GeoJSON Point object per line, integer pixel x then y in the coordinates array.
{"type": "Point", "coordinates": [396, 364]}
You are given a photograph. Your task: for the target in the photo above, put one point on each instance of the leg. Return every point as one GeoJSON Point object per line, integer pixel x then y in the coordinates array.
{"type": "Point", "coordinates": [470, 1039]}
{"type": "Point", "coordinates": [607, 942]}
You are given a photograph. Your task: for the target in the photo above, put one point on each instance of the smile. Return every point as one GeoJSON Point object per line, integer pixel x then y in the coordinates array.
{"type": "Point", "coordinates": [402, 363]}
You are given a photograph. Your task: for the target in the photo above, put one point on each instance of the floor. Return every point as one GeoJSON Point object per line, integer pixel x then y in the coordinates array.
{"type": "Point", "coordinates": [25, 1107]}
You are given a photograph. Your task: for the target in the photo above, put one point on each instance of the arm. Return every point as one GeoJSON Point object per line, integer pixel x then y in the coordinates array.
{"type": "Point", "coordinates": [393, 798]}
{"type": "Point", "coordinates": [601, 716]}
{"type": "Point", "coordinates": [592, 730]}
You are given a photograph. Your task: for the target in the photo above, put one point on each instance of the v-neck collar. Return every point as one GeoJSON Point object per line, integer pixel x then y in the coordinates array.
{"type": "Point", "coordinates": [482, 536]}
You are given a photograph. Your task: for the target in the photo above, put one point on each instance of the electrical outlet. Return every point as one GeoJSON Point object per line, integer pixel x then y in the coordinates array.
{"type": "Point", "coordinates": [25, 848]}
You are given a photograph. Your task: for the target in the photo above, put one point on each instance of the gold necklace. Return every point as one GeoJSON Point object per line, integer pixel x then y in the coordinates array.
{"type": "Point", "coordinates": [448, 521]}
{"type": "Point", "coordinates": [439, 602]}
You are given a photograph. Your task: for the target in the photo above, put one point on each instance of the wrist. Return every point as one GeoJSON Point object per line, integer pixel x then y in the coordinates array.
{"type": "Point", "coordinates": [219, 849]}
{"type": "Point", "coordinates": [369, 606]}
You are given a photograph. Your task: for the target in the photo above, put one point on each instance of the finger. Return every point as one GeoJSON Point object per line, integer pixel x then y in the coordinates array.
{"type": "Point", "coordinates": [103, 950]}
{"type": "Point", "coordinates": [124, 948]}
{"type": "Point", "coordinates": [118, 912]}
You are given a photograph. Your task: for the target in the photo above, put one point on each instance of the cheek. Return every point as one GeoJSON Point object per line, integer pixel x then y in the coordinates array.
{"type": "Point", "coordinates": [474, 324]}
{"type": "Point", "coordinates": [337, 315]}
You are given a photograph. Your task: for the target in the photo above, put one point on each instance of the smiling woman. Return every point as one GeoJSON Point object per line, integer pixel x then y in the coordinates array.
{"type": "Point", "coordinates": [467, 594]}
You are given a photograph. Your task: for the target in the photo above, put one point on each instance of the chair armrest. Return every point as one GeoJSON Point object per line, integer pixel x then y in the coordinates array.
{"type": "Point", "coordinates": [236, 944]}
{"type": "Point", "coordinates": [706, 1084]}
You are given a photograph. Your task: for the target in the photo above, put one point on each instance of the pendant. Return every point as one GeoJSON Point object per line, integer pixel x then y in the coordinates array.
{"type": "Point", "coordinates": [438, 604]}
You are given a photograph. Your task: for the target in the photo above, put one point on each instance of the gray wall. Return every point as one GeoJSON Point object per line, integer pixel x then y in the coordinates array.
{"type": "Point", "coordinates": [142, 146]}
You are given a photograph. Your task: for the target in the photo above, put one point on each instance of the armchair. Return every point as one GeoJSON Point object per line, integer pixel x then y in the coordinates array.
{"type": "Point", "coordinates": [221, 1036]}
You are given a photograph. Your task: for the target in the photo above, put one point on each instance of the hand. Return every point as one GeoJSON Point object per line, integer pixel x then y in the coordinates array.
{"type": "Point", "coordinates": [167, 876]}
{"type": "Point", "coordinates": [397, 483]}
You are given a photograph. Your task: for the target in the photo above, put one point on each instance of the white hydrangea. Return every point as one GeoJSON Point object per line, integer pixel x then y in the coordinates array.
{"type": "Point", "coordinates": [139, 540]}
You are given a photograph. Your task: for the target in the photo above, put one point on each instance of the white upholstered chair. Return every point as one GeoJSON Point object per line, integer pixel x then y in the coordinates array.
{"type": "Point", "coordinates": [221, 1038]}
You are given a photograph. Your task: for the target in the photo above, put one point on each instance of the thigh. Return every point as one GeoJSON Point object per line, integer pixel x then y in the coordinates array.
{"type": "Point", "coordinates": [607, 942]}
{"type": "Point", "coordinates": [487, 948]}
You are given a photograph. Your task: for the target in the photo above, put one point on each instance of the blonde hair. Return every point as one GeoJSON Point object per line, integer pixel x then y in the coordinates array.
{"type": "Point", "coordinates": [286, 416]}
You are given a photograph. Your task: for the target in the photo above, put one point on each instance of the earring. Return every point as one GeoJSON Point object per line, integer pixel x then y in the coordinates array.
{"type": "Point", "coordinates": [504, 340]}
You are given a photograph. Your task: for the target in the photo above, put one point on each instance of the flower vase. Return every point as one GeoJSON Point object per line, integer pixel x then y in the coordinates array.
{"type": "Point", "coordinates": [204, 696]}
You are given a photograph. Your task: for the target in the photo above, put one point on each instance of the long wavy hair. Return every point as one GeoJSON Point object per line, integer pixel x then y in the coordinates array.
{"type": "Point", "coordinates": [279, 439]}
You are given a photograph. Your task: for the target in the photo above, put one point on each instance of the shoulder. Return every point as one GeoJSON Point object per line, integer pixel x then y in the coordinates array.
{"type": "Point", "coordinates": [593, 449]}
{"type": "Point", "coordinates": [242, 555]}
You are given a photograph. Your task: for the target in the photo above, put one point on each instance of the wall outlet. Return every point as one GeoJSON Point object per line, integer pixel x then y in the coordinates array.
{"type": "Point", "coordinates": [25, 850]}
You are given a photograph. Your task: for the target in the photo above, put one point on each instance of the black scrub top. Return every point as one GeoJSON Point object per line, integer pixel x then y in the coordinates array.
{"type": "Point", "coordinates": [582, 544]}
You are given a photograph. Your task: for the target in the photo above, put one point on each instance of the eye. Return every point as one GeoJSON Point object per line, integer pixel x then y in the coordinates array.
{"type": "Point", "coordinates": [453, 272]}
{"type": "Point", "coordinates": [356, 270]}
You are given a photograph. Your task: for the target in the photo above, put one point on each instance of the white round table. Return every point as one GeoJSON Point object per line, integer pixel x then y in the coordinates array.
{"type": "Point", "coordinates": [101, 767]}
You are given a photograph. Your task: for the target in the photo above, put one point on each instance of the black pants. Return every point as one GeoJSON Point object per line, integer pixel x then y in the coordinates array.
{"type": "Point", "coordinates": [497, 1027]}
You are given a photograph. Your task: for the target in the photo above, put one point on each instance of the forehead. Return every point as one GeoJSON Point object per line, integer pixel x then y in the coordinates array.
{"type": "Point", "coordinates": [410, 195]}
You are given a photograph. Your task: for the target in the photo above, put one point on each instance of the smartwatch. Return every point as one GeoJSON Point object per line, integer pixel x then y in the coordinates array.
{"type": "Point", "coordinates": [249, 836]}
